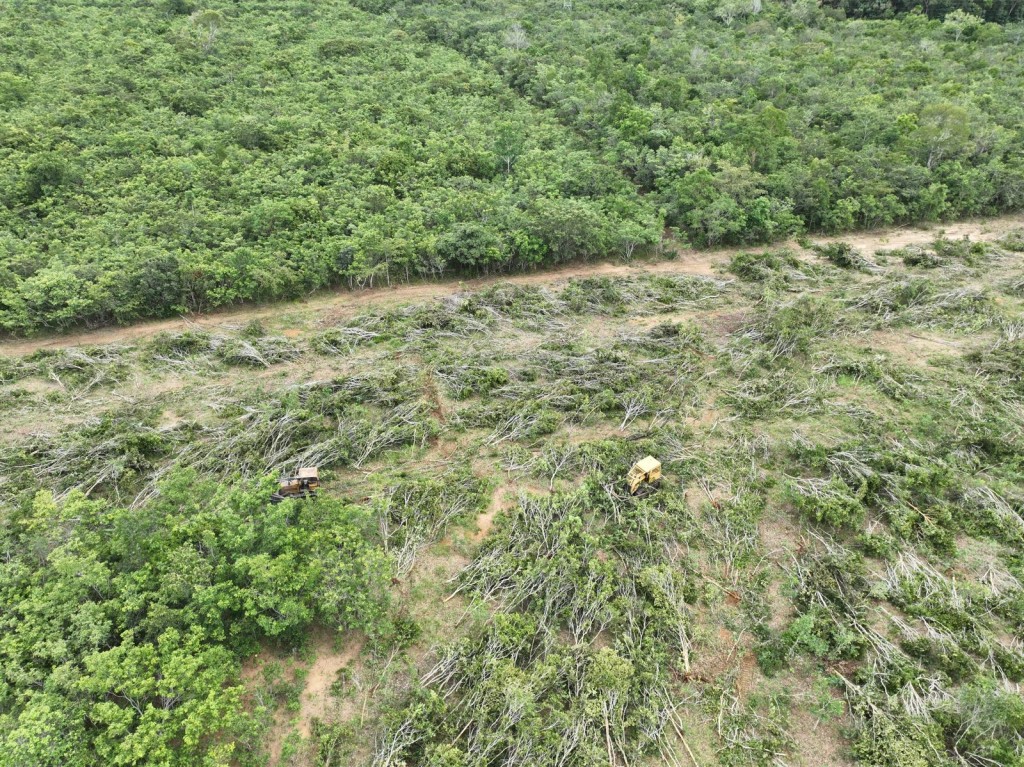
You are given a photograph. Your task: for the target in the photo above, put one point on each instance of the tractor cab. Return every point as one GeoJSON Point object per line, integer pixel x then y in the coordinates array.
{"type": "Point", "coordinates": [645, 472]}
{"type": "Point", "coordinates": [303, 484]}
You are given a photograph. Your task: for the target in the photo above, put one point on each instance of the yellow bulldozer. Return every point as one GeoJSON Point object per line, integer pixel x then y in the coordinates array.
{"type": "Point", "coordinates": [646, 473]}
{"type": "Point", "coordinates": [303, 484]}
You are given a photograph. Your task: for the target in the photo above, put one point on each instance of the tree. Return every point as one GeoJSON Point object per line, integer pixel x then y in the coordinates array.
{"type": "Point", "coordinates": [943, 131]}
{"type": "Point", "coordinates": [162, 703]}
{"type": "Point", "coordinates": [509, 144]}
{"type": "Point", "coordinates": [206, 26]}
{"type": "Point", "coordinates": [48, 731]}
{"type": "Point", "coordinates": [516, 38]}
{"type": "Point", "coordinates": [135, 620]}
{"type": "Point", "coordinates": [959, 23]}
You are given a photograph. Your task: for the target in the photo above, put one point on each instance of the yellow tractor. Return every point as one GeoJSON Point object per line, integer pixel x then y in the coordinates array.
{"type": "Point", "coordinates": [304, 484]}
{"type": "Point", "coordinates": [645, 472]}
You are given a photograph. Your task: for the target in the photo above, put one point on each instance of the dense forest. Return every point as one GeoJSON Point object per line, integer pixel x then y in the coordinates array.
{"type": "Point", "coordinates": [748, 122]}
{"type": "Point", "coordinates": [122, 627]}
{"type": "Point", "coordinates": [174, 156]}
{"type": "Point", "coordinates": [157, 159]}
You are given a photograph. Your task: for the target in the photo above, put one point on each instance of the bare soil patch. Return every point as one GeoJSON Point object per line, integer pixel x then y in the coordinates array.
{"type": "Point", "coordinates": [780, 535]}
{"type": "Point", "coordinates": [707, 420]}
{"type": "Point", "coordinates": [721, 325]}
{"type": "Point", "coordinates": [316, 700]}
{"type": "Point", "coordinates": [484, 523]}
{"type": "Point", "coordinates": [911, 348]}
{"type": "Point", "coordinates": [35, 385]}
{"type": "Point", "coordinates": [749, 677]}
{"type": "Point", "coordinates": [900, 237]}
{"type": "Point", "coordinates": [502, 498]}
{"type": "Point", "coordinates": [818, 743]}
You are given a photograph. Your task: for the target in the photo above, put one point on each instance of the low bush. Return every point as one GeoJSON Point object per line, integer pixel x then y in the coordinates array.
{"type": "Point", "coordinates": [841, 254]}
{"type": "Point", "coordinates": [960, 250]}
{"type": "Point", "coordinates": [794, 327]}
{"type": "Point", "coordinates": [827, 500]}
{"type": "Point", "coordinates": [759, 267]}
{"type": "Point", "coordinates": [921, 258]}
{"type": "Point", "coordinates": [1013, 240]}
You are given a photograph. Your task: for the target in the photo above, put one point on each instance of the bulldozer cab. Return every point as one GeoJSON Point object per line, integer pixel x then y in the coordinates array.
{"type": "Point", "coordinates": [645, 471]}
{"type": "Point", "coordinates": [303, 484]}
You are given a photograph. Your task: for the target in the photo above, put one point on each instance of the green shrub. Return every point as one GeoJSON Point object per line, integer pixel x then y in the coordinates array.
{"type": "Point", "coordinates": [896, 741]}
{"type": "Point", "coordinates": [946, 657]}
{"type": "Point", "coordinates": [758, 267]}
{"type": "Point", "coordinates": [878, 543]}
{"type": "Point", "coordinates": [841, 254]}
{"type": "Point", "coordinates": [795, 326]}
{"type": "Point", "coordinates": [13, 369]}
{"type": "Point", "coordinates": [961, 250]}
{"type": "Point", "coordinates": [985, 722]}
{"type": "Point", "coordinates": [257, 351]}
{"type": "Point", "coordinates": [1013, 240]}
{"type": "Point", "coordinates": [772, 656]}
{"type": "Point", "coordinates": [594, 294]}
{"type": "Point", "coordinates": [467, 380]}
{"type": "Point", "coordinates": [830, 501]}
{"type": "Point", "coordinates": [921, 258]}
{"type": "Point", "coordinates": [180, 345]}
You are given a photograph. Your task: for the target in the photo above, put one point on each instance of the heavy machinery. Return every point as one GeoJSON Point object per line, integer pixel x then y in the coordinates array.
{"type": "Point", "coordinates": [304, 484]}
{"type": "Point", "coordinates": [646, 472]}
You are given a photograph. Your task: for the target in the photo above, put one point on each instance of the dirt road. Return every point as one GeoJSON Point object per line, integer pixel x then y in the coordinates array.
{"type": "Point", "coordinates": [332, 305]}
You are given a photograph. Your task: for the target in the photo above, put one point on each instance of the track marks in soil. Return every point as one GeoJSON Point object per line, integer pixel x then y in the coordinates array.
{"type": "Point", "coordinates": [485, 521]}
{"type": "Point", "coordinates": [818, 743]}
{"type": "Point", "coordinates": [315, 701]}
{"type": "Point", "coordinates": [332, 654]}
{"type": "Point", "coordinates": [912, 348]}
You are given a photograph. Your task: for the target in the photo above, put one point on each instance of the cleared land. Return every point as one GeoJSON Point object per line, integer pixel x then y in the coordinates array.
{"type": "Point", "coordinates": [830, 572]}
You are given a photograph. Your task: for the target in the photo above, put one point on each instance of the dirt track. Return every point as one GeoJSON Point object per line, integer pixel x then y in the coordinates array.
{"type": "Point", "coordinates": [336, 304]}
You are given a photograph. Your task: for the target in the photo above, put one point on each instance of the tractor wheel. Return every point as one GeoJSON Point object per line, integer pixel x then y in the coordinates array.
{"type": "Point", "coordinates": [643, 491]}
